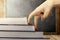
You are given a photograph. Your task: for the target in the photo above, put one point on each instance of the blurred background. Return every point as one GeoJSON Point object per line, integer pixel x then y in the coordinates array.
{"type": "Point", "coordinates": [22, 8]}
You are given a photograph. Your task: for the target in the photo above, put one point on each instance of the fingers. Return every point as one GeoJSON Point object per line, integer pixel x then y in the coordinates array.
{"type": "Point", "coordinates": [51, 14]}
{"type": "Point", "coordinates": [34, 13]}
{"type": "Point", "coordinates": [47, 13]}
{"type": "Point", "coordinates": [36, 21]}
{"type": "Point", "coordinates": [30, 17]}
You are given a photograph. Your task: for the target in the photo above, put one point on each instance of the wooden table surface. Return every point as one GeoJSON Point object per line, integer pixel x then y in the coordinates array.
{"type": "Point", "coordinates": [52, 37]}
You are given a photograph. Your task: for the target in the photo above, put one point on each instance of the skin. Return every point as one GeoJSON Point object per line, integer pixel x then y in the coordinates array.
{"type": "Point", "coordinates": [43, 11]}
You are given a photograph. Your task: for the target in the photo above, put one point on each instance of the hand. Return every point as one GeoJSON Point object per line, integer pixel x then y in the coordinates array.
{"type": "Point", "coordinates": [43, 11]}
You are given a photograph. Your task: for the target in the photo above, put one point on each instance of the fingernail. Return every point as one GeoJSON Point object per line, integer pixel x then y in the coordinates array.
{"type": "Point", "coordinates": [29, 23]}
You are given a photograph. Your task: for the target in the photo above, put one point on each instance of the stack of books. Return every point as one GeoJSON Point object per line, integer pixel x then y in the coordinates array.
{"type": "Point", "coordinates": [17, 29]}
{"type": "Point", "coordinates": [15, 24]}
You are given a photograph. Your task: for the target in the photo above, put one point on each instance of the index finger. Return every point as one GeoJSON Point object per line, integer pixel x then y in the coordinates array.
{"type": "Point", "coordinates": [31, 16]}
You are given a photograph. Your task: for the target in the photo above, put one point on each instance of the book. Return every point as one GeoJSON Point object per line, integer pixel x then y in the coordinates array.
{"type": "Point", "coordinates": [22, 20]}
{"type": "Point", "coordinates": [15, 24]}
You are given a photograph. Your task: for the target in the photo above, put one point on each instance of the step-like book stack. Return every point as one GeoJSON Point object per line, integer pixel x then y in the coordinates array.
{"type": "Point", "coordinates": [17, 29]}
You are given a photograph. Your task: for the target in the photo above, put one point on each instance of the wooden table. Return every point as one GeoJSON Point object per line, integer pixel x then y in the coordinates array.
{"type": "Point", "coordinates": [53, 37]}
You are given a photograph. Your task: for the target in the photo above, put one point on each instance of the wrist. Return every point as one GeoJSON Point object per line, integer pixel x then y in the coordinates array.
{"type": "Point", "coordinates": [52, 2]}
{"type": "Point", "coordinates": [56, 2]}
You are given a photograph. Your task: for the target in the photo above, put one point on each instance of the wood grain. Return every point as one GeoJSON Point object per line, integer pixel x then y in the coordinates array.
{"type": "Point", "coordinates": [2, 8]}
{"type": "Point", "coordinates": [52, 37]}
{"type": "Point", "coordinates": [58, 20]}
